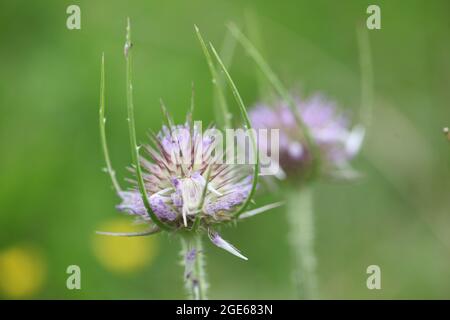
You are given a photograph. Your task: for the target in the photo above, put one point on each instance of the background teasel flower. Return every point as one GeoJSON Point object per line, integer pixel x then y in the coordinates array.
{"type": "Point", "coordinates": [329, 128]}
{"type": "Point", "coordinates": [187, 187]}
{"type": "Point", "coordinates": [315, 139]}
{"type": "Point", "coordinates": [335, 144]}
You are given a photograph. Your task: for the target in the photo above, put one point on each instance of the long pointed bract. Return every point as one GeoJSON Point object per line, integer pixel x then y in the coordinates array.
{"type": "Point", "coordinates": [131, 126]}
{"type": "Point", "coordinates": [129, 234]}
{"type": "Point", "coordinates": [248, 125]}
{"type": "Point", "coordinates": [259, 210]}
{"type": "Point", "coordinates": [365, 61]}
{"type": "Point", "coordinates": [220, 95]}
{"type": "Point", "coordinates": [221, 243]}
{"type": "Point", "coordinates": [102, 121]}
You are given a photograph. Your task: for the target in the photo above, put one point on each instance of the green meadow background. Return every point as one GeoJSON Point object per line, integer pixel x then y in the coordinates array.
{"type": "Point", "coordinates": [54, 194]}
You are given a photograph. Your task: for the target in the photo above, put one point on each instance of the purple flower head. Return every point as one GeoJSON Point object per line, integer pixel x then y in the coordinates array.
{"type": "Point", "coordinates": [329, 129]}
{"type": "Point", "coordinates": [186, 181]}
{"type": "Point", "coordinates": [190, 184]}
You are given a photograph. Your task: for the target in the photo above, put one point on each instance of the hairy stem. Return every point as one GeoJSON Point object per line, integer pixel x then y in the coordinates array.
{"type": "Point", "coordinates": [194, 267]}
{"type": "Point", "coordinates": [301, 238]}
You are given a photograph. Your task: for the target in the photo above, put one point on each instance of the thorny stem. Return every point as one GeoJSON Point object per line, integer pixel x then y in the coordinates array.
{"type": "Point", "coordinates": [131, 126]}
{"type": "Point", "coordinates": [301, 238]}
{"type": "Point", "coordinates": [194, 267]}
{"type": "Point", "coordinates": [102, 122]}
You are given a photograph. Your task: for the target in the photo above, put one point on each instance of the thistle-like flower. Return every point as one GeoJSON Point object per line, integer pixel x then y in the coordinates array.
{"type": "Point", "coordinates": [189, 185]}
{"type": "Point", "coordinates": [334, 141]}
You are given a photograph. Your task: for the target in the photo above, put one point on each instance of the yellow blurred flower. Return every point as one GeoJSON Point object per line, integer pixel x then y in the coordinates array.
{"type": "Point", "coordinates": [124, 254]}
{"type": "Point", "coordinates": [22, 271]}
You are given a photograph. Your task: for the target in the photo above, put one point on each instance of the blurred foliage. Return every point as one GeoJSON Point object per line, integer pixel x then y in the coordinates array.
{"type": "Point", "coordinates": [53, 193]}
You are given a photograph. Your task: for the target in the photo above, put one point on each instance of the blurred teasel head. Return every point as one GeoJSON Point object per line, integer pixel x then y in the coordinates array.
{"type": "Point", "coordinates": [315, 137]}
{"type": "Point", "coordinates": [332, 141]}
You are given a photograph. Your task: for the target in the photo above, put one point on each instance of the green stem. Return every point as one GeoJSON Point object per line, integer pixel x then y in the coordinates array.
{"type": "Point", "coordinates": [301, 238]}
{"type": "Point", "coordinates": [194, 266]}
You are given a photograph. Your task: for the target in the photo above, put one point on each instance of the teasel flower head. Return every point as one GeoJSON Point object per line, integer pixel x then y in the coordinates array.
{"type": "Point", "coordinates": [189, 184]}
{"type": "Point", "coordinates": [333, 142]}
{"type": "Point", "coordinates": [185, 181]}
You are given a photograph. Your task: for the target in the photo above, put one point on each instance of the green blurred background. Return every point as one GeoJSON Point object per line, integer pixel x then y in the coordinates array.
{"type": "Point", "coordinates": [53, 193]}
